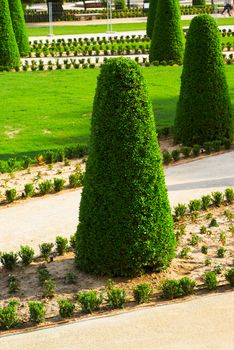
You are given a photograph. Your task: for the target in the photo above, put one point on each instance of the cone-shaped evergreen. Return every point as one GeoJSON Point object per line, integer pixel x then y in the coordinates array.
{"type": "Point", "coordinates": [151, 17]}
{"type": "Point", "coordinates": [125, 218]}
{"type": "Point", "coordinates": [18, 22]}
{"type": "Point", "coordinates": [9, 53]}
{"type": "Point", "coordinates": [167, 41]}
{"type": "Point", "coordinates": [204, 108]}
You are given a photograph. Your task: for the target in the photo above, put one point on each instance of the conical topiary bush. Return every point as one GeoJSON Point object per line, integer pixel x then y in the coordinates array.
{"type": "Point", "coordinates": [167, 43]}
{"type": "Point", "coordinates": [125, 224]}
{"type": "Point", "coordinates": [204, 108]}
{"type": "Point", "coordinates": [9, 53]}
{"type": "Point", "coordinates": [151, 17]}
{"type": "Point", "coordinates": [18, 22]}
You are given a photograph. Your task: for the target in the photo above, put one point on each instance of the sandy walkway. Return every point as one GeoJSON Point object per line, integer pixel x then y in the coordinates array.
{"type": "Point", "coordinates": [41, 219]}
{"type": "Point", "coordinates": [206, 323]}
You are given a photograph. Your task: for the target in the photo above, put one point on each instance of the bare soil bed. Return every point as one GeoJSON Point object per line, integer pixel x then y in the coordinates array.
{"type": "Point", "coordinates": [194, 265]}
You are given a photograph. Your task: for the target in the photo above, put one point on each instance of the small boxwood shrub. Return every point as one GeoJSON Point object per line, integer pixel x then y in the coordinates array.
{"type": "Point", "coordinates": [204, 249]}
{"type": "Point", "coordinates": [180, 211]}
{"type": "Point", "coordinates": [89, 301]}
{"type": "Point", "coordinates": [66, 308]}
{"type": "Point", "coordinates": [184, 253]}
{"type": "Point", "coordinates": [9, 260]}
{"type": "Point", "coordinates": [59, 184]}
{"type": "Point", "coordinates": [61, 245]}
{"type": "Point", "coordinates": [46, 249]}
{"type": "Point", "coordinates": [43, 274]}
{"type": "Point", "coordinates": [206, 200]}
{"type": "Point", "coordinates": [196, 150]}
{"type": "Point", "coordinates": [11, 195]}
{"type": "Point", "coordinates": [186, 151]}
{"type": "Point", "coordinates": [49, 288]}
{"type": "Point", "coordinates": [171, 289]}
{"type": "Point", "coordinates": [213, 223]}
{"type": "Point", "coordinates": [210, 280]}
{"type": "Point", "coordinates": [116, 298]}
{"type": "Point", "coordinates": [217, 198]}
{"type": "Point", "coordinates": [221, 252]}
{"type": "Point", "coordinates": [8, 315]}
{"type": "Point", "coordinates": [142, 293]}
{"type": "Point", "coordinates": [26, 253]}
{"type": "Point", "coordinates": [175, 154]}
{"type": "Point", "coordinates": [13, 284]}
{"type": "Point", "coordinates": [36, 311]}
{"type": "Point", "coordinates": [46, 187]}
{"type": "Point", "coordinates": [76, 180]}
{"type": "Point", "coordinates": [229, 194]}
{"type": "Point", "coordinates": [167, 157]}
{"type": "Point", "coordinates": [187, 285]}
{"type": "Point", "coordinates": [194, 205]}
{"type": "Point", "coordinates": [229, 275]}
{"type": "Point", "coordinates": [29, 190]}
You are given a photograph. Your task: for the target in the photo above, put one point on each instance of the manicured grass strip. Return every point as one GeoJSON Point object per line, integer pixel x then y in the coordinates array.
{"type": "Point", "coordinates": [53, 108]}
{"type": "Point", "coordinates": [102, 28]}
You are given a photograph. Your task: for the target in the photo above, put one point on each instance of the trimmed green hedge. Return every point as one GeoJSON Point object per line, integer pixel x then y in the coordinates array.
{"type": "Point", "coordinates": [9, 53]}
{"type": "Point", "coordinates": [125, 218]}
{"type": "Point", "coordinates": [167, 39]}
{"type": "Point", "coordinates": [18, 22]}
{"type": "Point", "coordinates": [151, 17]}
{"type": "Point", "coordinates": [200, 3]}
{"type": "Point", "coordinates": [204, 107]}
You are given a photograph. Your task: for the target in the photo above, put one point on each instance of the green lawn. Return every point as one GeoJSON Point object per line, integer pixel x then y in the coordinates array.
{"type": "Point", "coordinates": [44, 110]}
{"type": "Point", "coordinates": [93, 29]}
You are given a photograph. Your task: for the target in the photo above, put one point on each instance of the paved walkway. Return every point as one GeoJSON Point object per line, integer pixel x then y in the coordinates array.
{"type": "Point", "coordinates": [206, 323]}
{"type": "Point", "coordinates": [41, 219]}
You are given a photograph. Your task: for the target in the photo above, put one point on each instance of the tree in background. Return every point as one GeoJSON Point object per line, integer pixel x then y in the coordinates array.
{"type": "Point", "coordinates": [151, 17]}
{"type": "Point", "coordinates": [167, 41]}
{"type": "Point", "coordinates": [126, 225]}
{"type": "Point", "coordinates": [9, 52]}
{"type": "Point", "coordinates": [18, 22]}
{"type": "Point", "coordinates": [204, 107]}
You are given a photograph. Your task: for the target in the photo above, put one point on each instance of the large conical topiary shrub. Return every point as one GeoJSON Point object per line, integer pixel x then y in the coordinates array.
{"type": "Point", "coordinates": [204, 108]}
{"type": "Point", "coordinates": [9, 53]}
{"type": "Point", "coordinates": [18, 22]}
{"type": "Point", "coordinates": [151, 17]}
{"type": "Point", "coordinates": [167, 41]}
{"type": "Point", "coordinates": [125, 224]}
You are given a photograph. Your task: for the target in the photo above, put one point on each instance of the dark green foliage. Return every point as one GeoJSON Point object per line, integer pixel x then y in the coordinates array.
{"type": "Point", "coordinates": [167, 157]}
{"type": "Point", "coordinates": [187, 285]}
{"type": "Point", "coordinates": [217, 198]}
{"type": "Point", "coordinates": [229, 275]}
{"type": "Point", "coordinates": [66, 308]}
{"type": "Point", "coordinates": [142, 293]}
{"type": "Point", "coordinates": [46, 249]}
{"type": "Point", "coordinates": [172, 288]}
{"type": "Point", "coordinates": [46, 187]}
{"type": "Point", "coordinates": [13, 284]}
{"type": "Point", "coordinates": [186, 151]}
{"type": "Point", "coordinates": [210, 279]}
{"type": "Point", "coordinates": [175, 154]}
{"type": "Point", "coordinates": [151, 17]}
{"type": "Point", "coordinates": [229, 194]}
{"type": "Point", "coordinates": [9, 52]}
{"type": "Point", "coordinates": [11, 195]}
{"type": "Point", "coordinates": [167, 38]}
{"type": "Point", "coordinates": [43, 274]}
{"type": "Point", "coordinates": [221, 252]}
{"type": "Point", "coordinates": [8, 315]}
{"type": "Point", "coordinates": [196, 150]}
{"type": "Point", "coordinates": [204, 108]}
{"type": "Point", "coordinates": [29, 190]}
{"type": "Point", "coordinates": [27, 254]}
{"type": "Point", "coordinates": [49, 288]}
{"type": "Point", "coordinates": [194, 205]}
{"type": "Point", "coordinates": [59, 184]}
{"type": "Point", "coordinates": [116, 298]}
{"type": "Point", "coordinates": [206, 200]}
{"type": "Point", "coordinates": [19, 27]}
{"type": "Point", "coordinates": [199, 3]}
{"type": "Point", "coordinates": [9, 260]}
{"type": "Point", "coordinates": [61, 245]}
{"type": "Point", "coordinates": [125, 218]}
{"type": "Point", "coordinates": [89, 301]}
{"type": "Point", "coordinates": [180, 211]}
{"type": "Point", "coordinates": [36, 311]}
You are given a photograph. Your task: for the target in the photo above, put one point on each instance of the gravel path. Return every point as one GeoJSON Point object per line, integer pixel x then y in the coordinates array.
{"type": "Point", "coordinates": [41, 219]}
{"type": "Point", "coordinates": [206, 323]}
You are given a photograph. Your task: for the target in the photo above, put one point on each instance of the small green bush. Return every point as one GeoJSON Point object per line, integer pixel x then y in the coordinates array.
{"type": "Point", "coordinates": [213, 223]}
{"type": "Point", "coordinates": [171, 289]}
{"type": "Point", "coordinates": [217, 198]}
{"type": "Point", "coordinates": [186, 151]}
{"type": "Point", "coordinates": [46, 249]}
{"type": "Point", "coordinates": [13, 284]}
{"type": "Point", "coordinates": [204, 249]}
{"type": "Point", "coordinates": [184, 253]}
{"type": "Point", "coordinates": [66, 308]}
{"type": "Point", "coordinates": [229, 194]}
{"type": "Point", "coordinates": [36, 311]}
{"type": "Point", "coordinates": [89, 301]}
{"type": "Point", "coordinates": [175, 154]}
{"type": "Point", "coordinates": [211, 280]}
{"type": "Point", "coordinates": [208, 147]}
{"type": "Point", "coordinates": [29, 190]}
{"type": "Point", "coordinates": [116, 298]}
{"type": "Point", "coordinates": [167, 157]}
{"type": "Point", "coordinates": [187, 285]}
{"type": "Point", "coordinates": [27, 254]}
{"type": "Point", "coordinates": [8, 315]}
{"type": "Point", "coordinates": [49, 288]}
{"type": "Point", "coordinates": [142, 293]}
{"type": "Point", "coordinates": [11, 195]}
{"type": "Point", "coordinates": [46, 187]}
{"type": "Point", "coordinates": [76, 180]}
{"type": "Point", "coordinates": [180, 211]}
{"type": "Point", "coordinates": [43, 274]}
{"type": "Point", "coordinates": [196, 150]}
{"type": "Point", "coordinates": [59, 184]}
{"type": "Point", "coordinates": [217, 269]}
{"type": "Point", "coordinates": [61, 245]}
{"type": "Point", "coordinates": [9, 260]}
{"type": "Point", "coordinates": [221, 252]}
{"type": "Point", "coordinates": [194, 205]}
{"type": "Point", "coordinates": [229, 275]}
{"type": "Point", "coordinates": [206, 200]}
{"type": "Point", "coordinates": [195, 240]}
{"type": "Point", "coordinates": [72, 241]}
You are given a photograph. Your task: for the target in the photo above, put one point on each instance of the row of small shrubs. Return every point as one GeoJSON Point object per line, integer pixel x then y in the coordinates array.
{"type": "Point", "coordinates": [46, 187]}
{"type": "Point", "coordinates": [10, 259]}
{"type": "Point", "coordinates": [116, 298]}
{"type": "Point", "coordinates": [196, 150]}
{"type": "Point", "coordinates": [48, 157]}
{"type": "Point", "coordinates": [216, 199]}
